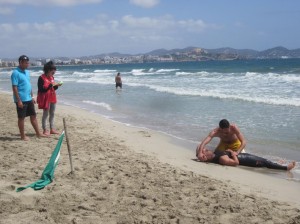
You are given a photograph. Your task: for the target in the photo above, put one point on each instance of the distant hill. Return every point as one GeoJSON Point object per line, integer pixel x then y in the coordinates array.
{"type": "Point", "coordinates": [160, 52]}
{"type": "Point", "coordinates": [197, 53]}
{"type": "Point", "coordinates": [202, 54]}
{"type": "Point", "coordinates": [276, 52]}
{"type": "Point", "coordinates": [114, 54]}
{"type": "Point", "coordinates": [242, 52]}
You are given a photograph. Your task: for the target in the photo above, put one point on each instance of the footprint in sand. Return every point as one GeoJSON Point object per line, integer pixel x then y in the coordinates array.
{"type": "Point", "coordinates": [145, 134]}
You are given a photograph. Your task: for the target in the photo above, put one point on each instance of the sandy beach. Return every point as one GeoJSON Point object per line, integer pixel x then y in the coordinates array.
{"type": "Point", "coordinates": [126, 174]}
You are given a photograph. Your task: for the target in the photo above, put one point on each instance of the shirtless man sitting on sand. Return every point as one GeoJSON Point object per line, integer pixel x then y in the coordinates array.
{"type": "Point", "coordinates": [230, 139]}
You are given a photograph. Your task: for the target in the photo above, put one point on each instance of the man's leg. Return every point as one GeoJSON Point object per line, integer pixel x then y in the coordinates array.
{"type": "Point", "coordinates": [247, 159]}
{"type": "Point", "coordinates": [31, 112]}
{"type": "Point", "coordinates": [35, 125]}
{"type": "Point", "coordinates": [21, 122]}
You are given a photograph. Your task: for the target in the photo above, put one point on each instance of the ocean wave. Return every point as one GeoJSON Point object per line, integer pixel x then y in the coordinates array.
{"type": "Point", "coordinates": [5, 73]}
{"type": "Point", "coordinates": [82, 74]}
{"type": "Point", "coordinates": [104, 105]}
{"type": "Point", "coordinates": [36, 73]}
{"type": "Point", "coordinates": [151, 71]}
{"type": "Point", "coordinates": [104, 80]}
{"type": "Point", "coordinates": [105, 71]}
{"type": "Point", "coordinates": [138, 72]}
{"type": "Point", "coordinates": [295, 101]}
{"type": "Point", "coordinates": [143, 72]}
{"type": "Point", "coordinates": [202, 73]}
{"type": "Point", "coordinates": [273, 77]}
{"type": "Point", "coordinates": [167, 70]}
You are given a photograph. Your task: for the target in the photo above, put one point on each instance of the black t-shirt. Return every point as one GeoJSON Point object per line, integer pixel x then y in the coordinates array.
{"type": "Point", "coordinates": [218, 154]}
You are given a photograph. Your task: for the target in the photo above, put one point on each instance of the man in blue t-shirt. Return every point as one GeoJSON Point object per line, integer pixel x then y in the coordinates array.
{"type": "Point", "coordinates": [23, 97]}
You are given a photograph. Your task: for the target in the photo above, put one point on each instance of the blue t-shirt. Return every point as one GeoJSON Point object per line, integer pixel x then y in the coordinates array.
{"type": "Point", "coordinates": [21, 79]}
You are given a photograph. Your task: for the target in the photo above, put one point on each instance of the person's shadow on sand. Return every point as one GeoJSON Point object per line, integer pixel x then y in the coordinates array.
{"type": "Point", "coordinates": [13, 138]}
{"type": "Point", "coordinates": [9, 138]}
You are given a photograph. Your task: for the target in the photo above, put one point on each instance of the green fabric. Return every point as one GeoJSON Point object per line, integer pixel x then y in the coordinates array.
{"type": "Point", "coordinates": [48, 173]}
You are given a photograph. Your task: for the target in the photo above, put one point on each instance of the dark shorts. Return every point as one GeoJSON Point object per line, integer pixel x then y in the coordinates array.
{"type": "Point", "coordinates": [119, 85]}
{"type": "Point", "coordinates": [27, 110]}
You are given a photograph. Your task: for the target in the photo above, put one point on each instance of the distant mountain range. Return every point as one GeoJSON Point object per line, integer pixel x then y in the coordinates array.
{"type": "Point", "coordinates": [276, 52]}
{"type": "Point", "coordinates": [196, 54]}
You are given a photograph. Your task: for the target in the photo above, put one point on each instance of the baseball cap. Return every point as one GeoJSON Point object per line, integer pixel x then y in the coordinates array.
{"type": "Point", "coordinates": [23, 58]}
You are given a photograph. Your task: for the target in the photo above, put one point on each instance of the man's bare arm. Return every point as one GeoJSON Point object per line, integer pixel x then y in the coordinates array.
{"type": "Point", "coordinates": [225, 160]}
{"type": "Point", "coordinates": [16, 93]}
{"type": "Point", "coordinates": [241, 137]}
{"type": "Point", "coordinates": [201, 147]}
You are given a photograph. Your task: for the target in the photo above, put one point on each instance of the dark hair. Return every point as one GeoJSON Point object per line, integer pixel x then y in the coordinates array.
{"type": "Point", "coordinates": [23, 58]}
{"type": "Point", "coordinates": [49, 66]}
{"type": "Point", "coordinates": [224, 124]}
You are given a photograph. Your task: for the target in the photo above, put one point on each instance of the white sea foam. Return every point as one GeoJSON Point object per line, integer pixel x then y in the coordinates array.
{"type": "Point", "coordinates": [36, 73]}
{"type": "Point", "coordinates": [5, 72]}
{"type": "Point", "coordinates": [275, 100]}
{"type": "Point", "coordinates": [105, 71]}
{"type": "Point", "coordinates": [201, 73]}
{"type": "Point", "coordinates": [97, 79]}
{"type": "Point", "coordinates": [138, 72]}
{"type": "Point", "coordinates": [151, 71]}
{"type": "Point", "coordinates": [249, 86]}
{"type": "Point", "coordinates": [82, 74]}
{"type": "Point", "coordinates": [104, 105]}
{"type": "Point", "coordinates": [273, 77]}
{"type": "Point", "coordinates": [166, 70]}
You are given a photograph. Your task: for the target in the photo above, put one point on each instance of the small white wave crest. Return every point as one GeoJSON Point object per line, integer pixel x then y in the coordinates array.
{"type": "Point", "coordinates": [217, 94]}
{"type": "Point", "coordinates": [104, 105]}
{"type": "Point", "coordinates": [151, 71]}
{"type": "Point", "coordinates": [105, 72]}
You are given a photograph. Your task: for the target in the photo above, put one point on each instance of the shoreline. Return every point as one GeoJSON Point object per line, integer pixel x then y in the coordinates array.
{"type": "Point", "coordinates": [190, 145]}
{"type": "Point", "coordinates": [145, 174]}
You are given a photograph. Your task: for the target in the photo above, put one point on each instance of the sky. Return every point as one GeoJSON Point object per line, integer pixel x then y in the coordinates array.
{"type": "Point", "coordinates": [74, 28]}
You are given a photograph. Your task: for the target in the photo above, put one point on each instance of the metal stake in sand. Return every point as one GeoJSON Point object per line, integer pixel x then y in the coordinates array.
{"type": "Point", "coordinates": [68, 144]}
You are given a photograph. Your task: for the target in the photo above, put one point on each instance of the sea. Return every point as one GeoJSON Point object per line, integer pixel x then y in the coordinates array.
{"type": "Point", "coordinates": [186, 100]}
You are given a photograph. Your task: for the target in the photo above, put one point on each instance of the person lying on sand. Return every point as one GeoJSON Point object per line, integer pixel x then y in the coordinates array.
{"type": "Point", "coordinates": [230, 138]}
{"type": "Point", "coordinates": [231, 158]}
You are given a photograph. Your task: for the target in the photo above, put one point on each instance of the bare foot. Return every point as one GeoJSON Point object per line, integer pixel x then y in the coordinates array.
{"type": "Point", "coordinates": [291, 165]}
{"type": "Point", "coordinates": [41, 135]}
{"type": "Point", "coordinates": [46, 132]}
{"type": "Point", "coordinates": [53, 131]}
{"type": "Point", "coordinates": [25, 138]}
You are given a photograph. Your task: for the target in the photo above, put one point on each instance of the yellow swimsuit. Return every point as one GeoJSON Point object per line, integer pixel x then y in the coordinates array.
{"type": "Point", "coordinates": [233, 146]}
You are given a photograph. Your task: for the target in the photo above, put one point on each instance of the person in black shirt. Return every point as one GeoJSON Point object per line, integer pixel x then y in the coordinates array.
{"type": "Point", "coordinates": [231, 158]}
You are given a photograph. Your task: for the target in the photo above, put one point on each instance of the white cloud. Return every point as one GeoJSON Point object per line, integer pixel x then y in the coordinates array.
{"type": "Point", "coordinates": [146, 22]}
{"type": "Point", "coordinates": [6, 28]}
{"type": "Point", "coordinates": [48, 2]}
{"type": "Point", "coordinates": [238, 24]}
{"type": "Point", "coordinates": [6, 11]}
{"type": "Point", "coordinates": [24, 27]}
{"type": "Point", "coordinates": [45, 27]}
{"type": "Point", "coordinates": [145, 3]}
{"type": "Point", "coordinates": [193, 25]}
{"type": "Point", "coordinates": [99, 35]}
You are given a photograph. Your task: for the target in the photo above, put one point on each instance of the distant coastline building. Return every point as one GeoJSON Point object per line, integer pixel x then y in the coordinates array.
{"type": "Point", "coordinates": [166, 58]}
